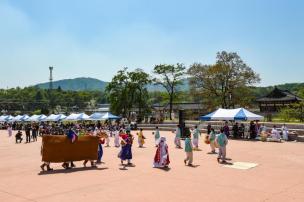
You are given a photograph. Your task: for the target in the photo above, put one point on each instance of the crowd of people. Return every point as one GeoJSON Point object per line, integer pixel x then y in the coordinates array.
{"type": "Point", "coordinates": [254, 131]}
{"type": "Point", "coordinates": [124, 139]}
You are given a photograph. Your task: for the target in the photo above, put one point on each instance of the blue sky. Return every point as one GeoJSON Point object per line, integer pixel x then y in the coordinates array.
{"type": "Point", "coordinates": [96, 38]}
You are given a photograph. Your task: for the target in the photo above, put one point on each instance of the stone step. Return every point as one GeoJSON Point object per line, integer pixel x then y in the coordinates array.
{"type": "Point", "coordinates": [300, 138]}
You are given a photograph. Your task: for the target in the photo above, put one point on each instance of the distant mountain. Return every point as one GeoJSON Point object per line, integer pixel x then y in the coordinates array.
{"type": "Point", "coordinates": [295, 88]}
{"type": "Point", "coordinates": [77, 84]}
{"type": "Point", "coordinates": [90, 84]}
{"type": "Point", "coordinates": [184, 87]}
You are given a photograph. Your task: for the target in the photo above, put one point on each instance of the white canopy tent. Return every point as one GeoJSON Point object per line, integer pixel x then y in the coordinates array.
{"type": "Point", "coordinates": [24, 117]}
{"type": "Point", "coordinates": [83, 117]}
{"type": "Point", "coordinates": [8, 118]}
{"type": "Point", "coordinates": [36, 118]}
{"type": "Point", "coordinates": [3, 117]}
{"type": "Point", "coordinates": [17, 118]}
{"type": "Point", "coordinates": [55, 117]}
{"type": "Point", "coordinates": [239, 114]}
{"type": "Point", "coordinates": [77, 117]}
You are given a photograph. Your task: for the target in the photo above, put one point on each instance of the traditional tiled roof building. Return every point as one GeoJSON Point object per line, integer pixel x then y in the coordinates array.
{"type": "Point", "coordinates": [276, 100]}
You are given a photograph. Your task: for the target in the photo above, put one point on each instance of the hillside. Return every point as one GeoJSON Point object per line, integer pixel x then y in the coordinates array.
{"type": "Point", "coordinates": [296, 88]}
{"type": "Point", "coordinates": [77, 84]}
{"type": "Point", "coordinates": [91, 84]}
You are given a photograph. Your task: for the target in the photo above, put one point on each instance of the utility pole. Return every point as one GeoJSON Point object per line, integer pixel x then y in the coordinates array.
{"type": "Point", "coordinates": [51, 78]}
{"type": "Point", "coordinates": [51, 88]}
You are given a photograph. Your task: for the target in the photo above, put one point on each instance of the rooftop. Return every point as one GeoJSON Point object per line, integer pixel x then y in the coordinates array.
{"type": "Point", "coordinates": [279, 95]}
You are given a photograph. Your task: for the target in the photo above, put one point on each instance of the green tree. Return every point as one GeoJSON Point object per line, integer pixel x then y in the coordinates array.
{"type": "Point", "coordinates": [127, 91]}
{"type": "Point", "coordinates": [118, 93]}
{"type": "Point", "coordinates": [138, 88]}
{"type": "Point", "coordinates": [225, 83]}
{"type": "Point", "coordinates": [170, 77]}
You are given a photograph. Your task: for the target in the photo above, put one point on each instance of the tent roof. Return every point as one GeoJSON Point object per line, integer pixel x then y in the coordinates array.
{"type": "Point", "coordinates": [231, 114]}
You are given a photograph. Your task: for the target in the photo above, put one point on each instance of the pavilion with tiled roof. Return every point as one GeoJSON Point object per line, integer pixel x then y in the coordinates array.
{"type": "Point", "coordinates": [276, 100]}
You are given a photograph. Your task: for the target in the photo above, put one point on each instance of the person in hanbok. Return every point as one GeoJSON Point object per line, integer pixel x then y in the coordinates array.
{"type": "Point", "coordinates": [100, 150]}
{"type": "Point", "coordinates": [161, 158]}
{"type": "Point", "coordinates": [10, 130]}
{"type": "Point", "coordinates": [156, 135]}
{"type": "Point", "coordinates": [285, 132]}
{"type": "Point", "coordinates": [263, 133]}
{"type": "Point", "coordinates": [212, 137]}
{"type": "Point", "coordinates": [195, 133]}
{"type": "Point", "coordinates": [275, 134]}
{"type": "Point", "coordinates": [107, 139]}
{"type": "Point", "coordinates": [222, 142]}
{"type": "Point", "coordinates": [126, 148]}
{"type": "Point", "coordinates": [188, 151]}
{"type": "Point", "coordinates": [257, 128]}
{"type": "Point", "coordinates": [141, 138]}
{"type": "Point", "coordinates": [226, 129]}
{"type": "Point", "coordinates": [116, 138]}
{"type": "Point", "coordinates": [178, 134]}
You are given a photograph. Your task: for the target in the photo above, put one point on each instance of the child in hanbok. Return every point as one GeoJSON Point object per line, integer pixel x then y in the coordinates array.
{"type": "Point", "coordinates": [177, 141]}
{"type": "Point", "coordinates": [189, 151]}
{"type": "Point", "coordinates": [222, 141]}
{"type": "Point", "coordinates": [156, 135]}
{"type": "Point", "coordinates": [161, 158]}
{"type": "Point", "coordinates": [195, 135]}
{"type": "Point", "coordinates": [141, 138]}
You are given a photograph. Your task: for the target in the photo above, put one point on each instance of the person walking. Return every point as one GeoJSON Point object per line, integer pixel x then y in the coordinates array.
{"type": "Point", "coordinates": [189, 151]}
{"type": "Point", "coordinates": [222, 141]}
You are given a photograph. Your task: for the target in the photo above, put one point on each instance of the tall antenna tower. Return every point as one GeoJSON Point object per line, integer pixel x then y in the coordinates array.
{"type": "Point", "coordinates": [51, 78]}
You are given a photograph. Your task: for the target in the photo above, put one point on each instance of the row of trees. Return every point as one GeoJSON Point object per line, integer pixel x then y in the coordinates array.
{"type": "Point", "coordinates": [293, 112]}
{"type": "Point", "coordinates": [226, 83]}
{"type": "Point", "coordinates": [33, 99]}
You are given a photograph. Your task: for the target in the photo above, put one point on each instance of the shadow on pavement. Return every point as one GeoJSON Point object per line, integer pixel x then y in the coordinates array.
{"type": "Point", "coordinates": [166, 169]}
{"type": "Point", "coordinates": [70, 170]}
{"type": "Point", "coordinates": [194, 166]}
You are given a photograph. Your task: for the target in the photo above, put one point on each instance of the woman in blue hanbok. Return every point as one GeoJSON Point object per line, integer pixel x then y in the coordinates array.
{"type": "Point", "coordinates": [126, 148]}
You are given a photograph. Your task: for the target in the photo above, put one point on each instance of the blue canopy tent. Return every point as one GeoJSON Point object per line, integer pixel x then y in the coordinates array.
{"type": "Point", "coordinates": [97, 116]}
{"type": "Point", "coordinates": [239, 114]}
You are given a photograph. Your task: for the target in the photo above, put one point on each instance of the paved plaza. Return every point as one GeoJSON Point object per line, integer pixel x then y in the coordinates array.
{"type": "Point", "coordinates": [277, 174]}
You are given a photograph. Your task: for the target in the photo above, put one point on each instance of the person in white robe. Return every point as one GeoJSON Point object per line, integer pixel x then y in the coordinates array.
{"type": "Point", "coordinates": [285, 132]}
{"type": "Point", "coordinates": [177, 141]}
{"type": "Point", "coordinates": [116, 139]}
{"type": "Point", "coordinates": [275, 134]}
{"type": "Point", "coordinates": [161, 158]}
{"type": "Point", "coordinates": [195, 134]}
{"type": "Point", "coordinates": [10, 131]}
